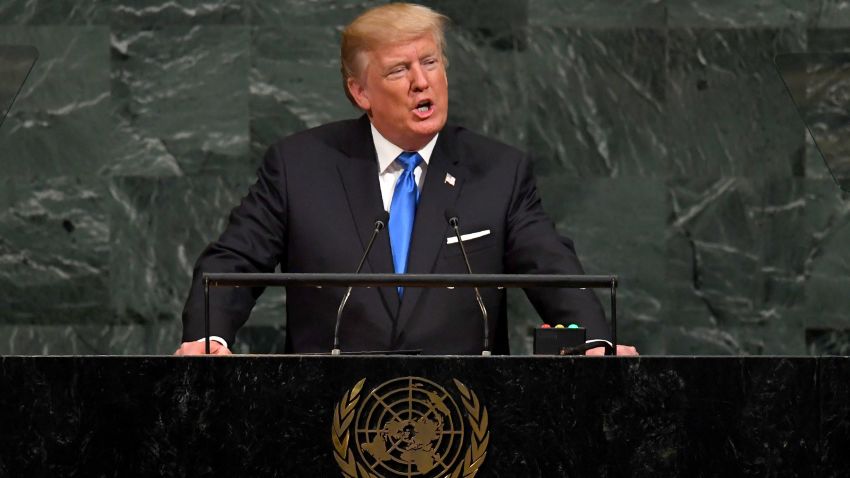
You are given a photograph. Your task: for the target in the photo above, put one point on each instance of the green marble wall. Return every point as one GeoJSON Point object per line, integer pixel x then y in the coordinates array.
{"type": "Point", "coordinates": [660, 145]}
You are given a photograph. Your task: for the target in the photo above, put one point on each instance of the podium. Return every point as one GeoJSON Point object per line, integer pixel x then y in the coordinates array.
{"type": "Point", "coordinates": [297, 416]}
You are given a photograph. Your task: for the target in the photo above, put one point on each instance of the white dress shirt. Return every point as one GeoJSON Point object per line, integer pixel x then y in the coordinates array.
{"type": "Point", "coordinates": [389, 170]}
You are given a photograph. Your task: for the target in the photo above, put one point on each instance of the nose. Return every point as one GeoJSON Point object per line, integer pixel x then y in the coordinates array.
{"type": "Point", "coordinates": [418, 81]}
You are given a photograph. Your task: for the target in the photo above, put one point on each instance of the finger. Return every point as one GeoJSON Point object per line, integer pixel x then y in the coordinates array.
{"type": "Point", "coordinates": [190, 348]}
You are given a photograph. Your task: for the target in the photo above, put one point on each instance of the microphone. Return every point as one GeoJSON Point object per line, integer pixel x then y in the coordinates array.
{"type": "Point", "coordinates": [380, 223]}
{"type": "Point", "coordinates": [454, 222]}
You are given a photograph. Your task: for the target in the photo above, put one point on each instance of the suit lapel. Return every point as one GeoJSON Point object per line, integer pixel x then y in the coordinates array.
{"type": "Point", "coordinates": [359, 175]}
{"type": "Point", "coordinates": [430, 227]}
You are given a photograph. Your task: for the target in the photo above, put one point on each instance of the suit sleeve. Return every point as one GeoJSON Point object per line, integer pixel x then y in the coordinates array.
{"type": "Point", "coordinates": [254, 241]}
{"type": "Point", "coordinates": [534, 247]}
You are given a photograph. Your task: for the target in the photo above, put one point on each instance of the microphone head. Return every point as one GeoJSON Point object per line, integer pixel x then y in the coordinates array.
{"type": "Point", "coordinates": [382, 220]}
{"type": "Point", "coordinates": [451, 217]}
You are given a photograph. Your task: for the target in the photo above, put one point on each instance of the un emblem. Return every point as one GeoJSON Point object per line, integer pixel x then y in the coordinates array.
{"type": "Point", "coordinates": [409, 427]}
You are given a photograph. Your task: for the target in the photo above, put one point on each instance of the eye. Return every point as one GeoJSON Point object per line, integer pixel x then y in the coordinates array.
{"type": "Point", "coordinates": [396, 71]}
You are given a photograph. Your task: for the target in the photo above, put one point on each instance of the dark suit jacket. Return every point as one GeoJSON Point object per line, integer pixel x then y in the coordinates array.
{"type": "Point", "coordinates": [313, 209]}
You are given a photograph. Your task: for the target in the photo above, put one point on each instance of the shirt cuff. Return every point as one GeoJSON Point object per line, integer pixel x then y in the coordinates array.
{"type": "Point", "coordinates": [215, 338]}
{"type": "Point", "coordinates": [599, 340]}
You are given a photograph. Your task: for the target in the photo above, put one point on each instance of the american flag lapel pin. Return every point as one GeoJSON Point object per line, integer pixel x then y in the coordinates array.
{"type": "Point", "coordinates": [450, 180]}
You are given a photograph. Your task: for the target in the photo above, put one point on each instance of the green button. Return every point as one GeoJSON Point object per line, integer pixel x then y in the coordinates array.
{"type": "Point", "coordinates": [572, 326]}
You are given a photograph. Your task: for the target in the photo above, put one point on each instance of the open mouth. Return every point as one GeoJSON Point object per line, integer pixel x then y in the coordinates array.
{"type": "Point", "coordinates": [423, 106]}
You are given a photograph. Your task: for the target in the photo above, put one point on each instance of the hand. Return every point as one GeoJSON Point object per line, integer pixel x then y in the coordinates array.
{"type": "Point", "coordinates": [624, 350]}
{"type": "Point", "coordinates": [199, 348]}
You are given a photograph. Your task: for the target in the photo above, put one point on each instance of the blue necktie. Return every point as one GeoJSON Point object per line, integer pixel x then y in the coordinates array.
{"type": "Point", "coordinates": [403, 211]}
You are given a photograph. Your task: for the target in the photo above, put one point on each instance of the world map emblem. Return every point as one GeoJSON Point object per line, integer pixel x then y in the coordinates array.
{"type": "Point", "coordinates": [410, 427]}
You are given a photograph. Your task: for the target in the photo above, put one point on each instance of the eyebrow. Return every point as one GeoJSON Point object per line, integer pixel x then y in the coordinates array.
{"type": "Point", "coordinates": [393, 64]}
{"type": "Point", "coordinates": [400, 62]}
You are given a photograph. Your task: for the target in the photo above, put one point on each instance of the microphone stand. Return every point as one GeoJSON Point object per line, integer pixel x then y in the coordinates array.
{"type": "Point", "coordinates": [453, 221]}
{"type": "Point", "coordinates": [379, 224]}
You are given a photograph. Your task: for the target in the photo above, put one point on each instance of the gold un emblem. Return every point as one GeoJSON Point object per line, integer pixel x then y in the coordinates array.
{"type": "Point", "coordinates": [409, 427]}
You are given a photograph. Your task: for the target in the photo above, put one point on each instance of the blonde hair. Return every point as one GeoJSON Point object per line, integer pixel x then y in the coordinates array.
{"type": "Point", "coordinates": [386, 25]}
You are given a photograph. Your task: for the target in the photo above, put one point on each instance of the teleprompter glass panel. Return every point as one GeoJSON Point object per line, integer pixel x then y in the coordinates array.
{"type": "Point", "coordinates": [819, 84]}
{"type": "Point", "coordinates": [16, 62]}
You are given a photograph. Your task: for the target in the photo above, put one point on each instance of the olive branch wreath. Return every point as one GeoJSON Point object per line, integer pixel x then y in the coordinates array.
{"type": "Point", "coordinates": [473, 459]}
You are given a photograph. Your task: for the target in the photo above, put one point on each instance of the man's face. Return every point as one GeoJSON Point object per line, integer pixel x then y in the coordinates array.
{"type": "Point", "coordinates": [405, 91]}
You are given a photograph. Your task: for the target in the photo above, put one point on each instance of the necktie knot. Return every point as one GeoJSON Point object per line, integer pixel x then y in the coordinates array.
{"type": "Point", "coordinates": [409, 160]}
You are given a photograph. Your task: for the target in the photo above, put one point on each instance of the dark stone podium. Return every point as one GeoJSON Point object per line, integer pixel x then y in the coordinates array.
{"type": "Point", "coordinates": [286, 416]}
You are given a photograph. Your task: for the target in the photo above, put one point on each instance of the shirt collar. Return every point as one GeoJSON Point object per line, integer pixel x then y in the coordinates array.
{"type": "Point", "coordinates": [387, 152]}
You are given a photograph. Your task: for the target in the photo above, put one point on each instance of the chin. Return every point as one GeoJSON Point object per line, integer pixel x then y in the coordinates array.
{"type": "Point", "coordinates": [429, 127]}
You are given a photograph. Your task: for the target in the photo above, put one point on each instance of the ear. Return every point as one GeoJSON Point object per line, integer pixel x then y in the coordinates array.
{"type": "Point", "coordinates": [359, 93]}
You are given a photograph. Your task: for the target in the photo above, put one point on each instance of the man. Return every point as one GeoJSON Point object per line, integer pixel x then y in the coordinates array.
{"type": "Point", "coordinates": [319, 192]}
